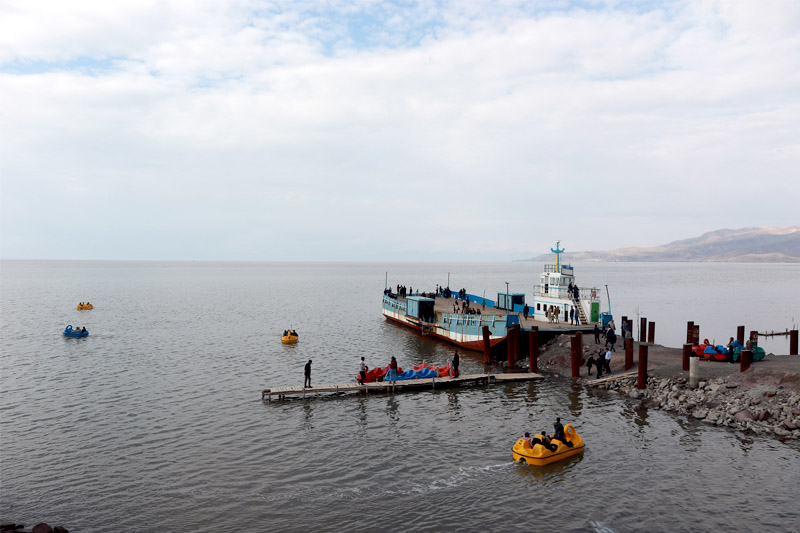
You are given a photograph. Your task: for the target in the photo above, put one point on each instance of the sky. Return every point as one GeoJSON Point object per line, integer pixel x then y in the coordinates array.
{"type": "Point", "coordinates": [380, 130]}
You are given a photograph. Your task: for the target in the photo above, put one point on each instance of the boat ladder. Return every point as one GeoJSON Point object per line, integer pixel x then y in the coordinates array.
{"type": "Point", "coordinates": [581, 315]}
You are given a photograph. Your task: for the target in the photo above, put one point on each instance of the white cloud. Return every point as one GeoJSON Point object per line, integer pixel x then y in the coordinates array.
{"type": "Point", "coordinates": [366, 130]}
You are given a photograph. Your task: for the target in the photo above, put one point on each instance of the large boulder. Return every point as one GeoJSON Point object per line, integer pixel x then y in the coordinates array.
{"type": "Point", "coordinates": [744, 415]}
{"type": "Point", "coordinates": [42, 528]}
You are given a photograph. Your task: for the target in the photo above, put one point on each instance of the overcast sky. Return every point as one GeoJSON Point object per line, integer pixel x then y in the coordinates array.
{"type": "Point", "coordinates": [370, 130]}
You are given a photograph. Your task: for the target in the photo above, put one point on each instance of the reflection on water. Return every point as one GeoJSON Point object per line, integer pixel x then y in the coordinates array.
{"type": "Point", "coordinates": [575, 396]}
{"type": "Point", "coordinates": [551, 472]}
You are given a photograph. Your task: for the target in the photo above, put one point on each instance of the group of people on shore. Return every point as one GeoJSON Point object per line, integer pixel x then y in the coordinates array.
{"type": "Point", "coordinates": [546, 441]}
{"type": "Point", "coordinates": [609, 333]}
{"type": "Point", "coordinates": [602, 362]}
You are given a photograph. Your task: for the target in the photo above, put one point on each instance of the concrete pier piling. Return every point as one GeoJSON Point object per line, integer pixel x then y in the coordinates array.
{"type": "Point", "coordinates": [687, 354]}
{"type": "Point", "coordinates": [533, 349]}
{"type": "Point", "coordinates": [694, 374]}
{"type": "Point", "coordinates": [576, 356]}
{"type": "Point", "coordinates": [641, 382]}
{"type": "Point", "coordinates": [628, 353]}
{"type": "Point", "coordinates": [651, 333]}
{"type": "Point", "coordinates": [793, 342]}
{"type": "Point", "coordinates": [745, 359]}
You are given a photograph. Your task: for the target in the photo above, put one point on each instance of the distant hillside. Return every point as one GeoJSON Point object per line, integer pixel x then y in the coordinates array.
{"type": "Point", "coordinates": [746, 245]}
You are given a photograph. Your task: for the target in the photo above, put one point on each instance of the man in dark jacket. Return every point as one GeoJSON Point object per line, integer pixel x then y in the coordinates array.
{"type": "Point", "coordinates": [307, 382]}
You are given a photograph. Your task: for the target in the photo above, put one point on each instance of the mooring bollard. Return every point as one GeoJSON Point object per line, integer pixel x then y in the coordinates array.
{"type": "Point", "coordinates": [694, 377]}
{"type": "Point", "coordinates": [745, 358]}
{"type": "Point", "coordinates": [687, 354]}
{"type": "Point", "coordinates": [651, 333]}
{"type": "Point", "coordinates": [793, 342]}
{"type": "Point", "coordinates": [643, 330]}
{"type": "Point", "coordinates": [641, 383]}
{"type": "Point", "coordinates": [575, 354]}
{"type": "Point", "coordinates": [690, 332]}
{"type": "Point", "coordinates": [533, 349]}
{"type": "Point", "coordinates": [740, 335]}
{"type": "Point", "coordinates": [628, 353]}
{"type": "Point", "coordinates": [487, 346]}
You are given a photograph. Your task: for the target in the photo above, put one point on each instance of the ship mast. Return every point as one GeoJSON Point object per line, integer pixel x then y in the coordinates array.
{"type": "Point", "coordinates": [558, 253]}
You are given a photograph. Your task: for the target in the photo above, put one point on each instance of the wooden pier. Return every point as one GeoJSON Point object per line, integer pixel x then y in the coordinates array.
{"type": "Point", "coordinates": [398, 386]}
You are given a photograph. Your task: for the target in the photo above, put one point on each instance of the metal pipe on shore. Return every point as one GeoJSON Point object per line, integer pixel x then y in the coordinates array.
{"type": "Point", "coordinates": [745, 360]}
{"type": "Point", "coordinates": [533, 349]}
{"type": "Point", "coordinates": [651, 333]}
{"type": "Point", "coordinates": [740, 335]}
{"type": "Point", "coordinates": [643, 330]}
{"type": "Point", "coordinates": [687, 354]}
{"type": "Point", "coordinates": [641, 382]}
{"type": "Point", "coordinates": [793, 342]}
{"type": "Point", "coordinates": [628, 353]}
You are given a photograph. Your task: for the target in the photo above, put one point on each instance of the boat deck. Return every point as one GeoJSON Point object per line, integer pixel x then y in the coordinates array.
{"type": "Point", "coordinates": [398, 386]}
{"type": "Point", "coordinates": [445, 305]}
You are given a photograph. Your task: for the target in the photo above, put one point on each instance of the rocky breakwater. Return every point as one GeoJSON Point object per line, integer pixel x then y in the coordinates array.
{"type": "Point", "coordinates": [761, 409]}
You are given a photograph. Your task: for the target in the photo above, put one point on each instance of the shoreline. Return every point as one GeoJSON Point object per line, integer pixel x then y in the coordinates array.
{"type": "Point", "coordinates": [765, 399]}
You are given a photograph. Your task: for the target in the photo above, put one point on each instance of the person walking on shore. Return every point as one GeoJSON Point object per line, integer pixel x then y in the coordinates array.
{"type": "Point", "coordinates": [307, 372]}
{"type": "Point", "coordinates": [596, 334]}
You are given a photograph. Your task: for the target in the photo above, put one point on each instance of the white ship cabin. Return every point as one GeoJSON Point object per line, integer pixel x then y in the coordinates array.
{"type": "Point", "coordinates": [555, 284]}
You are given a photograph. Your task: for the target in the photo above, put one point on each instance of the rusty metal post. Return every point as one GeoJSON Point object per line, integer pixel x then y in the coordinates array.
{"type": "Point", "coordinates": [696, 339]}
{"type": "Point", "coordinates": [690, 332]}
{"type": "Point", "coordinates": [651, 333]}
{"type": "Point", "coordinates": [533, 348]}
{"type": "Point", "coordinates": [687, 353]}
{"type": "Point", "coordinates": [740, 335]}
{"type": "Point", "coordinates": [745, 359]}
{"type": "Point", "coordinates": [630, 327]}
{"type": "Point", "coordinates": [510, 348]}
{"type": "Point", "coordinates": [793, 342]}
{"type": "Point", "coordinates": [628, 353]}
{"type": "Point", "coordinates": [575, 357]}
{"type": "Point", "coordinates": [517, 343]}
{"type": "Point", "coordinates": [754, 336]}
{"type": "Point", "coordinates": [487, 346]}
{"type": "Point", "coordinates": [641, 383]}
{"type": "Point", "coordinates": [642, 330]}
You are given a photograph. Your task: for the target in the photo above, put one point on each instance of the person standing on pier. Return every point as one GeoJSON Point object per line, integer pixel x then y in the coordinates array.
{"type": "Point", "coordinates": [525, 311]}
{"type": "Point", "coordinates": [456, 373]}
{"type": "Point", "coordinates": [391, 375]}
{"type": "Point", "coordinates": [362, 371]}
{"type": "Point", "coordinates": [307, 382]}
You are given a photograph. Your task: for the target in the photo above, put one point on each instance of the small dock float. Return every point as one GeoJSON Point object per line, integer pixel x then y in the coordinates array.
{"type": "Point", "coordinates": [397, 386]}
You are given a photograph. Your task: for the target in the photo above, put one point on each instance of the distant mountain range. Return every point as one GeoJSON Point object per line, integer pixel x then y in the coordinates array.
{"type": "Point", "coordinates": [746, 245]}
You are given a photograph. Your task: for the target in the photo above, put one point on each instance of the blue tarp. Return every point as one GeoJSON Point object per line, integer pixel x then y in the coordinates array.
{"type": "Point", "coordinates": [414, 374]}
{"type": "Point", "coordinates": [718, 349]}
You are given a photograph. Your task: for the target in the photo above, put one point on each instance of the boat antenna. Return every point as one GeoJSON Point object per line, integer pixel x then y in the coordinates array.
{"type": "Point", "coordinates": [386, 283]}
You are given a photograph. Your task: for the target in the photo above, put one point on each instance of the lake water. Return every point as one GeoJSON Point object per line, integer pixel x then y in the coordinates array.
{"type": "Point", "coordinates": [155, 422]}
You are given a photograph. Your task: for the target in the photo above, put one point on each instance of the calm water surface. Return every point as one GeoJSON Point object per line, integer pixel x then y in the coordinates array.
{"type": "Point", "coordinates": [155, 420]}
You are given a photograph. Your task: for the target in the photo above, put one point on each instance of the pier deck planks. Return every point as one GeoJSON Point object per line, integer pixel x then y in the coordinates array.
{"type": "Point", "coordinates": [385, 386]}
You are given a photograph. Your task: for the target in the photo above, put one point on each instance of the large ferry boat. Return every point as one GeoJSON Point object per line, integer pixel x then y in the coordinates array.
{"type": "Point", "coordinates": [460, 318]}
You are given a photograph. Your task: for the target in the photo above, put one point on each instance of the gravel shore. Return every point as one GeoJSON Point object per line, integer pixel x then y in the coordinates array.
{"type": "Point", "coordinates": [763, 400]}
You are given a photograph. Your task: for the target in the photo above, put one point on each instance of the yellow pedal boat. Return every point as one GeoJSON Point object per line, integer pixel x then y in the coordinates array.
{"type": "Point", "coordinates": [539, 455]}
{"type": "Point", "coordinates": [289, 339]}
{"type": "Point", "coordinates": [84, 307]}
